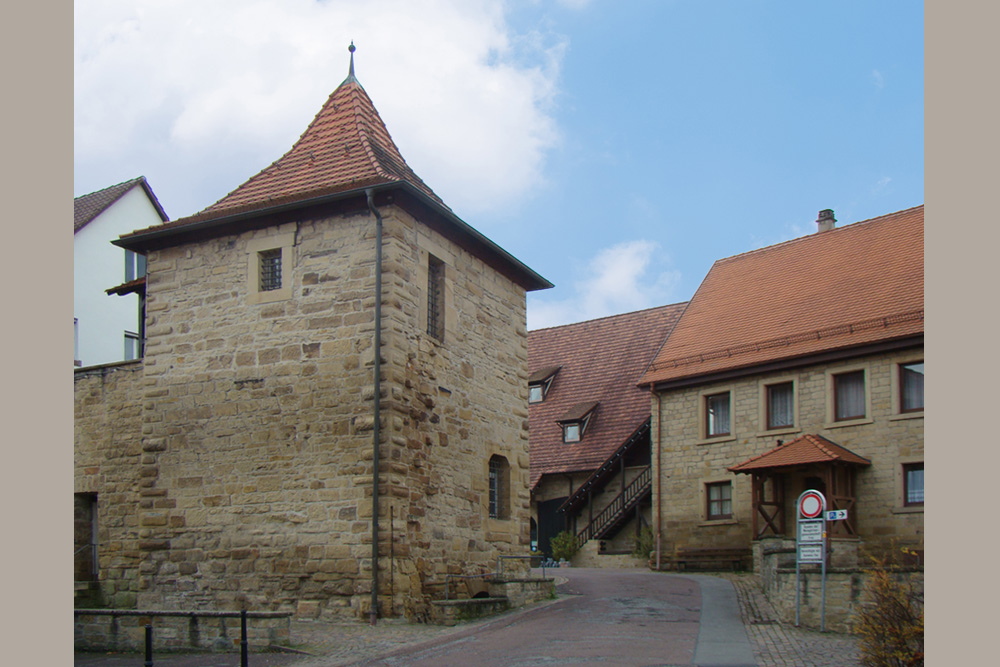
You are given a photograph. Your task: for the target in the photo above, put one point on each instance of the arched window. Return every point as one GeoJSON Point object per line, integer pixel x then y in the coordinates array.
{"type": "Point", "coordinates": [499, 488]}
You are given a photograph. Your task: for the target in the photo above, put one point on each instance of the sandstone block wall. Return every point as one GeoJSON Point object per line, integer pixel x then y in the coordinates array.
{"type": "Point", "coordinates": [256, 458]}
{"type": "Point", "coordinates": [106, 456]}
{"type": "Point", "coordinates": [689, 461]}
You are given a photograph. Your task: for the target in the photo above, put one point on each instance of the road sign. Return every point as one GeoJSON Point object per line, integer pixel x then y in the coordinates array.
{"type": "Point", "coordinates": [811, 504]}
{"type": "Point", "coordinates": [810, 543]}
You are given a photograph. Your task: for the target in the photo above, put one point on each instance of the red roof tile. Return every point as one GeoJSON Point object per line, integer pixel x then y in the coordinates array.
{"type": "Point", "coordinates": [600, 362]}
{"type": "Point", "coordinates": [804, 450]}
{"type": "Point", "coordinates": [89, 206]}
{"type": "Point", "coordinates": [345, 147]}
{"type": "Point", "coordinates": [857, 284]}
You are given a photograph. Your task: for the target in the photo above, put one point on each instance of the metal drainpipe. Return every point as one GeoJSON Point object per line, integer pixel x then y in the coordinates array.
{"type": "Point", "coordinates": [373, 615]}
{"type": "Point", "coordinates": [655, 444]}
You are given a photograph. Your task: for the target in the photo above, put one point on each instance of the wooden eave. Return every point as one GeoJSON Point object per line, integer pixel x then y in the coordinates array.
{"type": "Point", "coordinates": [402, 193]}
{"type": "Point", "coordinates": [789, 363]}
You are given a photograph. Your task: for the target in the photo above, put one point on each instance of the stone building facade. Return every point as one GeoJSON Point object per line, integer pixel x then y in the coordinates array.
{"type": "Point", "coordinates": [254, 471]}
{"type": "Point", "coordinates": [798, 366]}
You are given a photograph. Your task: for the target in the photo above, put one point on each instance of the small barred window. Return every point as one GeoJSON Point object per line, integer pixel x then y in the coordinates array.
{"type": "Point", "coordinates": [435, 298]}
{"type": "Point", "coordinates": [270, 270]}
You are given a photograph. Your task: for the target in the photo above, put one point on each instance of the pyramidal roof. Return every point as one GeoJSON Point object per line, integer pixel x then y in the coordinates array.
{"type": "Point", "coordinates": [345, 147]}
{"type": "Point", "coordinates": [344, 156]}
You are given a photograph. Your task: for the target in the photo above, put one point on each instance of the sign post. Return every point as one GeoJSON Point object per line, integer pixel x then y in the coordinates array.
{"type": "Point", "coordinates": [810, 544]}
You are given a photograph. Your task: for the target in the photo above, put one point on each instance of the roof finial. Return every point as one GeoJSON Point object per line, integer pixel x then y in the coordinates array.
{"type": "Point", "coordinates": [351, 48]}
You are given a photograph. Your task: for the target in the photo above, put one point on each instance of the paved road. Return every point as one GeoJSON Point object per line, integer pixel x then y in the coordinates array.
{"type": "Point", "coordinates": [613, 617]}
{"type": "Point", "coordinates": [609, 617]}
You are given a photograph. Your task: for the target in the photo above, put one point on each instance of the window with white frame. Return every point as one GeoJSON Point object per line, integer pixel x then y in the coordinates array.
{"type": "Point", "coordinates": [135, 266]}
{"type": "Point", "coordinates": [132, 348]}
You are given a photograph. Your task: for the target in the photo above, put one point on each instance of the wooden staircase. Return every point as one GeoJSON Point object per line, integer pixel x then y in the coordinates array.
{"type": "Point", "coordinates": [616, 513]}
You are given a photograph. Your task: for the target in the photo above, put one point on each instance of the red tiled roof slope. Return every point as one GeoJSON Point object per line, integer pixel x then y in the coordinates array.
{"type": "Point", "coordinates": [89, 206]}
{"type": "Point", "coordinates": [857, 284]}
{"type": "Point", "coordinates": [345, 147]}
{"type": "Point", "coordinates": [601, 361]}
{"type": "Point", "coordinates": [804, 450]}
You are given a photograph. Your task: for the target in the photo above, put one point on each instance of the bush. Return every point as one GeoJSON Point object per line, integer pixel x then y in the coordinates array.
{"type": "Point", "coordinates": [891, 620]}
{"type": "Point", "coordinates": [643, 544]}
{"type": "Point", "coordinates": [564, 545]}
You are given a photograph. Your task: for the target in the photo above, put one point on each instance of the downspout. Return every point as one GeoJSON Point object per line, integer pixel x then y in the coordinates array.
{"type": "Point", "coordinates": [373, 614]}
{"type": "Point", "coordinates": [655, 444]}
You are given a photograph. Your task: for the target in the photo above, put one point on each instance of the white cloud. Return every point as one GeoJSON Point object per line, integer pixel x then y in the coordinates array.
{"type": "Point", "coordinates": [878, 79]}
{"type": "Point", "coordinates": [229, 85]}
{"type": "Point", "coordinates": [881, 184]}
{"type": "Point", "coordinates": [620, 279]}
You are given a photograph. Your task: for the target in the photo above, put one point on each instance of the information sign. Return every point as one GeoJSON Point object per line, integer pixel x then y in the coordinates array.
{"type": "Point", "coordinates": [811, 531]}
{"type": "Point", "coordinates": [836, 515]}
{"type": "Point", "coordinates": [811, 553]}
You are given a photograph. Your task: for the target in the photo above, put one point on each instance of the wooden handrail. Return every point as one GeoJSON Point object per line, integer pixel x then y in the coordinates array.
{"type": "Point", "coordinates": [622, 503]}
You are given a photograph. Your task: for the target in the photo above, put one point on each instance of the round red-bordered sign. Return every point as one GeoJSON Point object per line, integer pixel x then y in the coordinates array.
{"type": "Point", "coordinates": [811, 504]}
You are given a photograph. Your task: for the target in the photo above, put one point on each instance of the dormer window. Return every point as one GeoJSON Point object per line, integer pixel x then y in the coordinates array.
{"type": "Point", "coordinates": [539, 383]}
{"type": "Point", "coordinates": [574, 423]}
{"type": "Point", "coordinates": [571, 432]}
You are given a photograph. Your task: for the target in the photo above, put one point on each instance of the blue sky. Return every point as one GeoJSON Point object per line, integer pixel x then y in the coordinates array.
{"type": "Point", "coordinates": [616, 147]}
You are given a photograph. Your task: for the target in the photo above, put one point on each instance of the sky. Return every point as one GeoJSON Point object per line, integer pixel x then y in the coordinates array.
{"type": "Point", "coordinates": [616, 147]}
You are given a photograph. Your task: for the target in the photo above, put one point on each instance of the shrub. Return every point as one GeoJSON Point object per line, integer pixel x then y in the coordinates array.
{"type": "Point", "coordinates": [891, 619]}
{"type": "Point", "coordinates": [643, 544]}
{"type": "Point", "coordinates": [564, 545]}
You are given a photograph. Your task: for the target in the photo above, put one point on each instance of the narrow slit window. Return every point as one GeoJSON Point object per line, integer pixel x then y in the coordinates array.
{"type": "Point", "coordinates": [270, 270]}
{"type": "Point", "coordinates": [435, 298]}
{"type": "Point", "coordinates": [499, 483]}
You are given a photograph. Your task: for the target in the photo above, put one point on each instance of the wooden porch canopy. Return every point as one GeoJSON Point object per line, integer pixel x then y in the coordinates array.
{"type": "Point", "coordinates": [833, 464]}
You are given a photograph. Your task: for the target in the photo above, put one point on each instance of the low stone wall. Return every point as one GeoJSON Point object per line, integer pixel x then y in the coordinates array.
{"type": "Point", "coordinates": [125, 630]}
{"type": "Point", "coordinates": [452, 612]}
{"type": "Point", "coordinates": [589, 555]}
{"type": "Point", "coordinates": [774, 562]}
{"type": "Point", "coordinates": [520, 592]}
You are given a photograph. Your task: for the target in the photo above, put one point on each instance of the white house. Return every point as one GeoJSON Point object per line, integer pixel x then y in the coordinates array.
{"type": "Point", "coordinates": [107, 328]}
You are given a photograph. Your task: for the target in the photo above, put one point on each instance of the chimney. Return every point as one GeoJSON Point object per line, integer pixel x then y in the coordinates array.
{"type": "Point", "coordinates": [826, 221]}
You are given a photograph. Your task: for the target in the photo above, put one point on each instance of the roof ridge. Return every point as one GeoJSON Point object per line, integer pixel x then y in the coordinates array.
{"type": "Point", "coordinates": [806, 237]}
{"type": "Point", "coordinates": [361, 126]}
{"type": "Point", "coordinates": [608, 317]}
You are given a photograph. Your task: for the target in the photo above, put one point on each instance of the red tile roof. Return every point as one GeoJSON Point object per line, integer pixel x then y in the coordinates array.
{"type": "Point", "coordinates": [89, 206]}
{"type": "Point", "coordinates": [804, 450]}
{"type": "Point", "coordinates": [344, 151]}
{"type": "Point", "coordinates": [600, 362]}
{"type": "Point", "coordinates": [857, 284]}
{"type": "Point", "coordinates": [344, 148]}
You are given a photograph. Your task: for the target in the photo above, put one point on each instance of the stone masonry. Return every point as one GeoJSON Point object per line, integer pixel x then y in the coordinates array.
{"type": "Point", "coordinates": [888, 439]}
{"type": "Point", "coordinates": [251, 463]}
